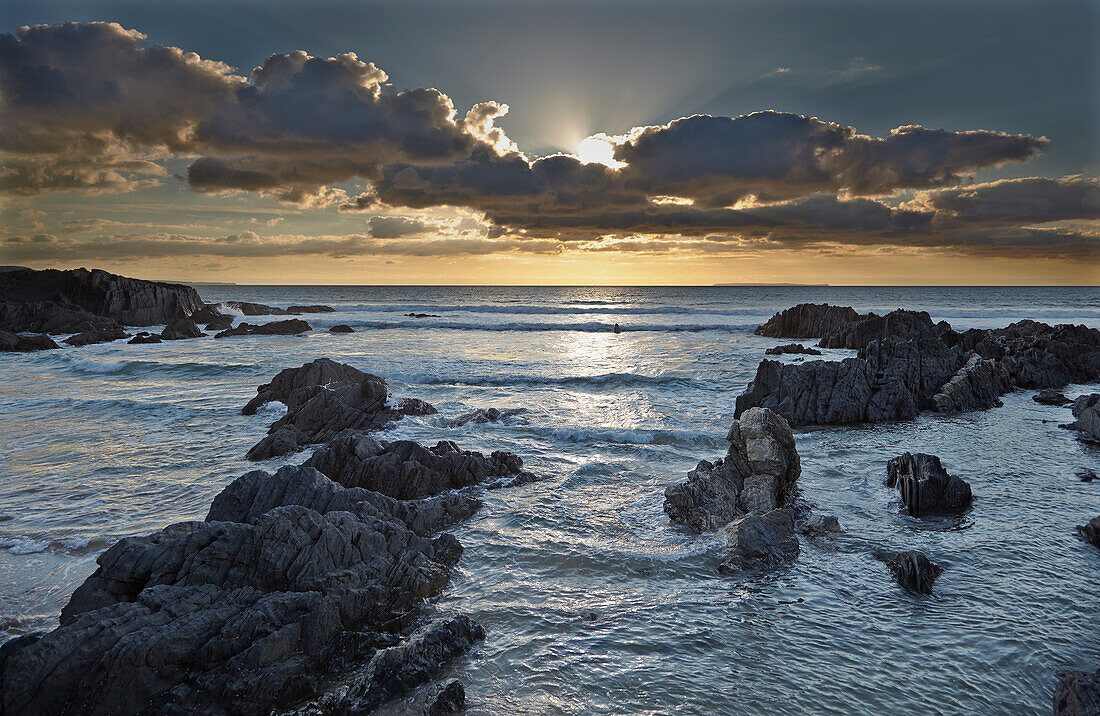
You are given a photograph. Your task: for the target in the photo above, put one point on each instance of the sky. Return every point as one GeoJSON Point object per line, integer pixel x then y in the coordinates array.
{"type": "Point", "coordinates": [605, 142]}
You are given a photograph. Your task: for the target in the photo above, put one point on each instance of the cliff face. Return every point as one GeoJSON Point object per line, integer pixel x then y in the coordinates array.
{"type": "Point", "coordinates": [57, 301]}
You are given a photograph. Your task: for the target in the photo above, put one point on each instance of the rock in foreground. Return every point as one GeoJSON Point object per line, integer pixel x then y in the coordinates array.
{"type": "Point", "coordinates": [15, 343]}
{"type": "Point", "coordinates": [925, 487]}
{"type": "Point", "coordinates": [1077, 694]}
{"type": "Point", "coordinates": [1087, 411]}
{"type": "Point", "coordinates": [760, 472]}
{"type": "Point", "coordinates": [914, 571]}
{"type": "Point", "coordinates": [324, 398]}
{"type": "Point", "coordinates": [181, 329]}
{"type": "Point", "coordinates": [1051, 397]}
{"type": "Point", "coordinates": [760, 541]}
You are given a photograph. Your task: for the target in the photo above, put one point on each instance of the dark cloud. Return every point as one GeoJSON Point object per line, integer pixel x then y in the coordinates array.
{"type": "Point", "coordinates": [396, 227]}
{"type": "Point", "coordinates": [1031, 200]}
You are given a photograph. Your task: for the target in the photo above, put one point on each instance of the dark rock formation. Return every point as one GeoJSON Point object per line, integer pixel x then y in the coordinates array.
{"type": "Point", "coordinates": [446, 700]}
{"type": "Point", "coordinates": [925, 487]}
{"type": "Point", "coordinates": [1090, 531]}
{"type": "Point", "coordinates": [406, 470]}
{"type": "Point", "coordinates": [907, 364]}
{"type": "Point", "coordinates": [760, 541]}
{"type": "Point", "coordinates": [1077, 694]}
{"type": "Point", "coordinates": [298, 310]}
{"type": "Point", "coordinates": [821, 526]}
{"type": "Point", "coordinates": [219, 323]}
{"type": "Point", "coordinates": [914, 571]}
{"type": "Point", "coordinates": [324, 398]}
{"type": "Point", "coordinates": [144, 337]}
{"type": "Point", "coordinates": [808, 320]}
{"type": "Point", "coordinates": [254, 309]}
{"type": "Point", "coordinates": [792, 348]}
{"type": "Point", "coordinates": [180, 329]}
{"type": "Point", "coordinates": [1087, 411]}
{"type": "Point", "coordinates": [209, 313]}
{"type": "Point", "coordinates": [481, 416]}
{"type": "Point", "coordinates": [289, 327]}
{"type": "Point", "coordinates": [79, 300]}
{"type": "Point", "coordinates": [1084, 474]}
{"type": "Point", "coordinates": [15, 343]}
{"type": "Point", "coordinates": [421, 315]}
{"type": "Point", "coordinates": [341, 328]}
{"type": "Point", "coordinates": [90, 337]}
{"type": "Point", "coordinates": [759, 473]}
{"type": "Point", "coordinates": [1051, 397]}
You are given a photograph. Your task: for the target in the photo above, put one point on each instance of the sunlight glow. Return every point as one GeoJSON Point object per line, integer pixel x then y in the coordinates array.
{"type": "Point", "coordinates": [599, 149]}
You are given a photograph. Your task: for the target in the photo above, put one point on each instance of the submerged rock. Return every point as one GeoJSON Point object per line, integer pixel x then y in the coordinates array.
{"type": "Point", "coordinates": [16, 343]}
{"type": "Point", "coordinates": [324, 398]}
{"type": "Point", "coordinates": [1085, 474]}
{"type": "Point", "coordinates": [759, 472]}
{"type": "Point", "coordinates": [1077, 693]}
{"type": "Point", "coordinates": [407, 470]}
{"type": "Point", "coordinates": [341, 328]}
{"type": "Point", "coordinates": [822, 526]}
{"type": "Point", "coordinates": [760, 541]}
{"type": "Point", "coordinates": [445, 700]}
{"type": "Point", "coordinates": [914, 571]}
{"type": "Point", "coordinates": [289, 327]}
{"type": "Point", "coordinates": [484, 415]}
{"type": "Point", "coordinates": [925, 487]}
{"type": "Point", "coordinates": [1051, 397]}
{"type": "Point", "coordinates": [1090, 531]}
{"type": "Point", "coordinates": [792, 348]}
{"type": "Point", "coordinates": [181, 329]}
{"type": "Point", "coordinates": [144, 337]}
{"type": "Point", "coordinates": [91, 337]}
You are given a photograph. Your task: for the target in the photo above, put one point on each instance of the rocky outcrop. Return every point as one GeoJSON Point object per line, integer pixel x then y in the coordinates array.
{"type": "Point", "coordinates": [180, 329]}
{"type": "Point", "coordinates": [406, 470]}
{"type": "Point", "coordinates": [219, 323]}
{"type": "Point", "coordinates": [907, 364]}
{"type": "Point", "coordinates": [91, 337]}
{"type": "Point", "coordinates": [792, 348]}
{"type": "Point", "coordinates": [144, 337]}
{"type": "Point", "coordinates": [254, 309]}
{"type": "Point", "coordinates": [1090, 531]}
{"type": "Point", "coordinates": [324, 398]}
{"type": "Point", "coordinates": [914, 571]}
{"type": "Point", "coordinates": [1051, 397]}
{"type": "Point", "coordinates": [298, 310]}
{"type": "Point", "coordinates": [480, 416]}
{"type": "Point", "coordinates": [289, 327]}
{"type": "Point", "coordinates": [1086, 409]}
{"type": "Point", "coordinates": [446, 700]}
{"type": "Point", "coordinates": [1077, 693]}
{"type": "Point", "coordinates": [821, 526]}
{"type": "Point", "coordinates": [79, 300]}
{"type": "Point", "coordinates": [808, 320]}
{"type": "Point", "coordinates": [759, 473]}
{"type": "Point", "coordinates": [925, 487]}
{"type": "Point", "coordinates": [15, 343]}
{"type": "Point", "coordinates": [341, 328]}
{"type": "Point", "coordinates": [760, 541]}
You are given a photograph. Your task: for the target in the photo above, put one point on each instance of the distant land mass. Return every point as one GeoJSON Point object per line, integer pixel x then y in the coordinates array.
{"type": "Point", "coordinates": [743, 285]}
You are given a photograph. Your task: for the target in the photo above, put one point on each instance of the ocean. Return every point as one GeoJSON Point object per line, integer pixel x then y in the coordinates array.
{"type": "Point", "coordinates": [592, 600]}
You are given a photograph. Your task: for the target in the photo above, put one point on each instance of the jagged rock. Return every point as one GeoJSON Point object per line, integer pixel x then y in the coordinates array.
{"type": "Point", "coordinates": [808, 320]}
{"type": "Point", "coordinates": [209, 313]}
{"type": "Point", "coordinates": [760, 472]}
{"type": "Point", "coordinates": [446, 700]}
{"type": "Point", "coordinates": [1090, 531]}
{"type": "Point", "coordinates": [976, 386]}
{"type": "Point", "coordinates": [407, 470]}
{"type": "Point", "coordinates": [296, 310]}
{"type": "Point", "coordinates": [219, 323]}
{"type": "Point", "coordinates": [289, 327]}
{"type": "Point", "coordinates": [90, 337]}
{"type": "Point", "coordinates": [144, 337]}
{"type": "Point", "coordinates": [341, 328]}
{"type": "Point", "coordinates": [925, 487]}
{"type": "Point", "coordinates": [1051, 397]}
{"type": "Point", "coordinates": [792, 348]}
{"type": "Point", "coordinates": [324, 398]}
{"type": "Point", "coordinates": [1087, 411]}
{"type": "Point", "coordinates": [896, 324]}
{"type": "Point", "coordinates": [181, 329]}
{"type": "Point", "coordinates": [760, 541]}
{"type": "Point", "coordinates": [79, 300]}
{"type": "Point", "coordinates": [914, 571]}
{"type": "Point", "coordinates": [254, 309]}
{"type": "Point", "coordinates": [16, 343]}
{"type": "Point", "coordinates": [257, 492]}
{"type": "Point", "coordinates": [821, 526]}
{"type": "Point", "coordinates": [240, 617]}
{"type": "Point", "coordinates": [484, 415]}
{"type": "Point", "coordinates": [1077, 694]}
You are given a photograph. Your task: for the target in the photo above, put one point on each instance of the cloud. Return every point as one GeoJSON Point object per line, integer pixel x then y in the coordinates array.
{"type": "Point", "coordinates": [396, 227]}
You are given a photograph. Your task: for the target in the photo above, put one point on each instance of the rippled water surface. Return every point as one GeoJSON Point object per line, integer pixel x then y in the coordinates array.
{"type": "Point", "coordinates": [592, 601]}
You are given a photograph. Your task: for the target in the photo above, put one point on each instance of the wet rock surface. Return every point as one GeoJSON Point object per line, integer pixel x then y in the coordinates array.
{"type": "Point", "coordinates": [144, 337]}
{"type": "Point", "coordinates": [1051, 397]}
{"type": "Point", "coordinates": [907, 364]}
{"type": "Point", "coordinates": [88, 338]}
{"type": "Point", "coordinates": [79, 300]}
{"type": "Point", "coordinates": [484, 415]}
{"type": "Point", "coordinates": [323, 399]}
{"type": "Point", "coordinates": [1086, 409]}
{"type": "Point", "coordinates": [181, 329]}
{"type": "Point", "coordinates": [1077, 693]}
{"type": "Point", "coordinates": [341, 328]}
{"type": "Point", "coordinates": [760, 541]}
{"type": "Point", "coordinates": [914, 571]}
{"type": "Point", "coordinates": [759, 472]}
{"type": "Point", "coordinates": [925, 487]}
{"type": "Point", "coordinates": [16, 343]}
{"type": "Point", "coordinates": [1090, 531]}
{"type": "Point", "coordinates": [796, 348]}
{"type": "Point", "coordinates": [289, 327]}
{"type": "Point", "coordinates": [247, 308]}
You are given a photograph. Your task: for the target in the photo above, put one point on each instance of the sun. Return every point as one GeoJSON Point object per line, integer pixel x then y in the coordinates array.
{"type": "Point", "coordinates": [598, 149]}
